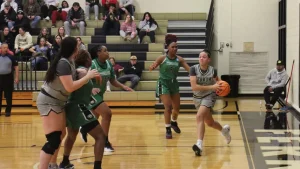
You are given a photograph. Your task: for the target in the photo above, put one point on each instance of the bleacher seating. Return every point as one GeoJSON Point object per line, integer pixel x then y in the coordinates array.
{"type": "Point", "coordinates": [121, 50]}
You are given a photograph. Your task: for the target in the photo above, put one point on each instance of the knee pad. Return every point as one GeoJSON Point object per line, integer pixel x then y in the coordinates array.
{"type": "Point", "coordinates": [53, 142]}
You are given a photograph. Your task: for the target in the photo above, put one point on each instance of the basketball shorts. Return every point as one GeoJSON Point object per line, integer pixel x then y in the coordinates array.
{"type": "Point", "coordinates": [208, 101]}
{"type": "Point", "coordinates": [78, 114]}
{"type": "Point", "coordinates": [45, 104]}
{"type": "Point", "coordinates": [170, 87]}
{"type": "Point", "coordinates": [95, 101]}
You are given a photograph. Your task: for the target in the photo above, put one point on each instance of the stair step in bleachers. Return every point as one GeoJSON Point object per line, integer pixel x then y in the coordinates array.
{"type": "Point", "coordinates": [120, 96]}
{"type": "Point", "coordinates": [111, 39]}
{"type": "Point", "coordinates": [167, 16]}
{"type": "Point", "coordinates": [94, 24]}
{"type": "Point", "coordinates": [152, 47]}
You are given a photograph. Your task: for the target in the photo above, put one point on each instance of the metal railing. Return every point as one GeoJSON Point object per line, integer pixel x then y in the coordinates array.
{"type": "Point", "coordinates": [210, 26]}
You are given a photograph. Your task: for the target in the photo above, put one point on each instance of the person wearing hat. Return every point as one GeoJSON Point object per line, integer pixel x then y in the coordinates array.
{"type": "Point", "coordinates": [276, 80]}
{"type": "Point", "coordinates": [132, 72]}
{"type": "Point", "coordinates": [21, 22]}
{"type": "Point", "coordinates": [7, 16]}
{"type": "Point", "coordinates": [12, 3]}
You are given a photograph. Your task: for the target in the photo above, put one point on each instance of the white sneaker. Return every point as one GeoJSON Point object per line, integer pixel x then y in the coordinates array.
{"type": "Point", "coordinates": [226, 133]}
{"type": "Point", "coordinates": [108, 89]}
{"type": "Point", "coordinates": [96, 18]}
{"type": "Point", "coordinates": [47, 18]}
{"type": "Point", "coordinates": [55, 166]}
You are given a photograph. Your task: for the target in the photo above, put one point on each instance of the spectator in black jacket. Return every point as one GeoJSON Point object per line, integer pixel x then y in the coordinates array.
{"type": "Point", "coordinates": [111, 25]}
{"type": "Point", "coordinates": [21, 22]}
{"type": "Point", "coordinates": [7, 16]}
{"type": "Point", "coordinates": [133, 72]}
{"type": "Point", "coordinates": [7, 37]}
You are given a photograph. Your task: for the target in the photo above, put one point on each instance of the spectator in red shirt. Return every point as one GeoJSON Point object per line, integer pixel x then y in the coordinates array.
{"type": "Point", "coordinates": [106, 5]}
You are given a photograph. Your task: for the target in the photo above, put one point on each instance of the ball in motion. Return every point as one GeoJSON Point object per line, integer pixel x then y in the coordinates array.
{"type": "Point", "coordinates": [224, 89]}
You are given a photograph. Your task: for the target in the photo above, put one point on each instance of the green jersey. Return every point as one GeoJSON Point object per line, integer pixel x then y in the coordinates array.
{"type": "Point", "coordinates": [169, 68]}
{"type": "Point", "coordinates": [83, 94]}
{"type": "Point", "coordinates": [106, 71]}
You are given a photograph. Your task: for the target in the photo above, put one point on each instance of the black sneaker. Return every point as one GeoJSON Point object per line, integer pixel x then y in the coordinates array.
{"type": "Point", "coordinates": [175, 127]}
{"type": "Point", "coordinates": [83, 135]}
{"type": "Point", "coordinates": [7, 114]}
{"type": "Point", "coordinates": [168, 133]}
{"type": "Point", "coordinates": [64, 166]}
{"type": "Point", "coordinates": [197, 150]}
{"type": "Point", "coordinates": [108, 147]}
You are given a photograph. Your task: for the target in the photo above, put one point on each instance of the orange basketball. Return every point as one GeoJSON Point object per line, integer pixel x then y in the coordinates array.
{"type": "Point", "coordinates": [224, 89]}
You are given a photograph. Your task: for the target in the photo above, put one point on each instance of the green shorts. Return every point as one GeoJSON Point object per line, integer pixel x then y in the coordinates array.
{"type": "Point", "coordinates": [170, 87]}
{"type": "Point", "coordinates": [78, 115]}
{"type": "Point", "coordinates": [95, 101]}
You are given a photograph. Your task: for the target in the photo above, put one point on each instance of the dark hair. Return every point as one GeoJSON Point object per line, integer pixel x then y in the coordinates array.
{"type": "Point", "coordinates": [151, 20]}
{"type": "Point", "coordinates": [170, 38]}
{"type": "Point", "coordinates": [68, 46]}
{"type": "Point", "coordinates": [76, 4]}
{"type": "Point", "coordinates": [79, 39]}
{"type": "Point", "coordinates": [207, 52]}
{"type": "Point", "coordinates": [82, 58]}
{"type": "Point", "coordinates": [63, 3]}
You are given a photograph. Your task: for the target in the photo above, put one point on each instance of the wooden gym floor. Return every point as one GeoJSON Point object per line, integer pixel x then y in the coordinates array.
{"type": "Point", "coordinates": [259, 140]}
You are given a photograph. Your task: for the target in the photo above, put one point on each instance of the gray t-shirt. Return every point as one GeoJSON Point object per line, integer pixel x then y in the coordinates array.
{"type": "Point", "coordinates": [56, 88]}
{"type": "Point", "coordinates": [204, 78]}
{"type": "Point", "coordinates": [7, 64]}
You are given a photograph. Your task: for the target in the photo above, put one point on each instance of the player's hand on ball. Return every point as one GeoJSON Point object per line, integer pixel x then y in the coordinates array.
{"type": "Point", "coordinates": [217, 86]}
{"type": "Point", "coordinates": [95, 91]}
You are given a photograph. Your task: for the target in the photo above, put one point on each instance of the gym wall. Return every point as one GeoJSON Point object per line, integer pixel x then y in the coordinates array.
{"type": "Point", "coordinates": [292, 48]}
{"type": "Point", "coordinates": [238, 22]}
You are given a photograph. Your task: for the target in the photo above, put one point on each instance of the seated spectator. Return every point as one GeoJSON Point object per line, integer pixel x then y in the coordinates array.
{"type": "Point", "coordinates": [7, 16]}
{"type": "Point", "coordinates": [75, 19]}
{"type": "Point", "coordinates": [128, 29]}
{"type": "Point", "coordinates": [60, 14]}
{"type": "Point", "coordinates": [46, 35]}
{"type": "Point", "coordinates": [132, 72]}
{"type": "Point", "coordinates": [276, 80]}
{"type": "Point", "coordinates": [8, 38]}
{"type": "Point", "coordinates": [105, 6]}
{"type": "Point", "coordinates": [126, 6]}
{"type": "Point", "coordinates": [33, 12]}
{"type": "Point", "coordinates": [147, 26]}
{"type": "Point", "coordinates": [21, 21]}
{"type": "Point", "coordinates": [111, 25]}
{"type": "Point", "coordinates": [48, 8]}
{"type": "Point", "coordinates": [92, 5]}
{"type": "Point", "coordinates": [62, 32]}
{"type": "Point", "coordinates": [23, 43]}
{"type": "Point", "coordinates": [39, 52]}
{"type": "Point", "coordinates": [81, 45]}
{"type": "Point", "coordinates": [55, 47]}
{"type": "Point", "coordinates": [12, 3]}
{"type": "Point", "coordinates": [117, 68]}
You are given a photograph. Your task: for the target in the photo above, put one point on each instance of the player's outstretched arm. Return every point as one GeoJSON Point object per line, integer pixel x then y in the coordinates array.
{"type": "Point", "coordinates": [157, 62]}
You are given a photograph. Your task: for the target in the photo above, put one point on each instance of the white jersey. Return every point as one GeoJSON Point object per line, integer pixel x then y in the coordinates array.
{"type": "Point", "coordinates": [204, 78]}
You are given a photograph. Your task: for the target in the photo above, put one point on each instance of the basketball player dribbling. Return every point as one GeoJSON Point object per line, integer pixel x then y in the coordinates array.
{"type": "Point", "coordinates": [203, 80]}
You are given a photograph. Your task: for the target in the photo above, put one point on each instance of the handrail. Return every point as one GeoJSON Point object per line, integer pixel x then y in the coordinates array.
{"type": "Point", "coordinates": [210, 26]}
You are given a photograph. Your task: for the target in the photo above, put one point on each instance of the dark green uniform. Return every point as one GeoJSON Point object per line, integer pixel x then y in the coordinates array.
{"type": "Point", "coordinates": [107, 73]}
{"type": "Point", "coordinates": [167, 82]}
{"type": "Point", "coordinates": [77, 111]}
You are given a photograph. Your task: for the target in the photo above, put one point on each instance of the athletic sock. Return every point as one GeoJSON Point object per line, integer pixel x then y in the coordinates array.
{"type": "Point", "coordinates": [168, 125]}
{"type": "Point", "coordinates": [199, 143]}
{"type": "Point", "coordinates": [172, 120]}
{"type": "Point", "coordinates": [65, 160]}
{"type": "Point", "coordinates": [97, 165]}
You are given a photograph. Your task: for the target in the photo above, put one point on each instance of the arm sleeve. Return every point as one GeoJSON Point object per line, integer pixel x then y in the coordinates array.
{"type": "Point", "coordinates": [63, 68]}
{"type": "Point", "coordinates": [192, 71]}
{"type": "Point", "coordinates": [153, 27]}
{"type": "Point", "coordinates": [129, 2]}
{"type": "Point", "coordinates": [268, 77]}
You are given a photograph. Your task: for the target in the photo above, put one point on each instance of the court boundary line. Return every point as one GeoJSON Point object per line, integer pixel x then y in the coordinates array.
{"type": "Point", "coordinates": [247, 142]}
